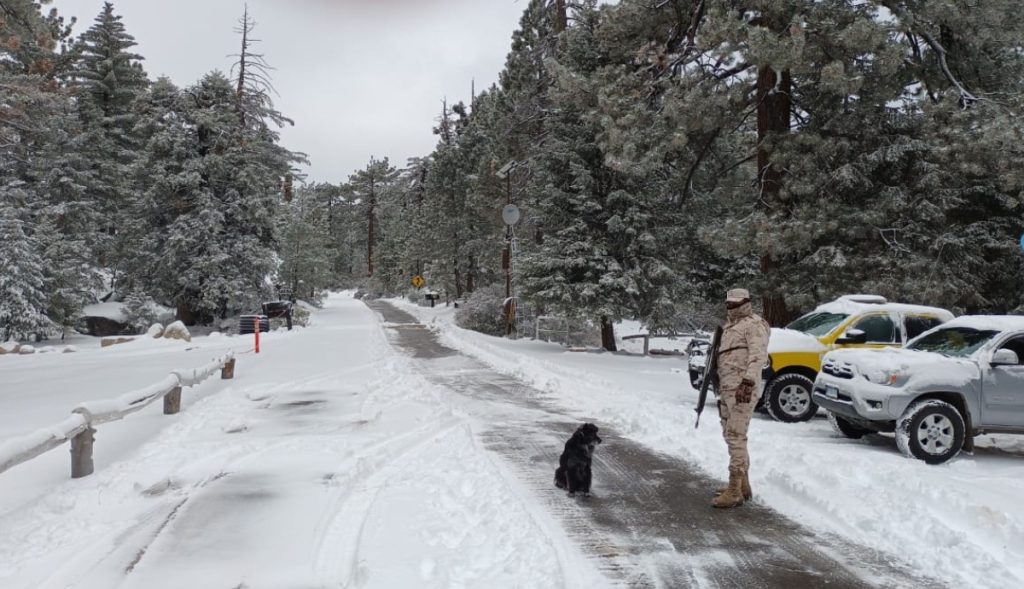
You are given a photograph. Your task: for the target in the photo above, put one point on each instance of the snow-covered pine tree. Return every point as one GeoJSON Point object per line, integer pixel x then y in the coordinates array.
{"type": "Point", "coordinates": [109, 78]}
{"type": "Point", "coordinates": [368, 185]}
{"type": "Point", "coordinates": [139, 310]}
{"type": "Point", "coordinates": [304, 245]}
{"type": "Point", "coordinates": [69, 278]}
{"type": "Point", "coordinates": [164, 176]}
{"type": "Point", "coordinates": [23, 301]}
{"type": "Point", "coordinates": [601, 257]}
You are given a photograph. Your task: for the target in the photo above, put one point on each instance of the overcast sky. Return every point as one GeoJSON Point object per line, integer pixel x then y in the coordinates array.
{"type": "Point", "coordinates": [358, 77]}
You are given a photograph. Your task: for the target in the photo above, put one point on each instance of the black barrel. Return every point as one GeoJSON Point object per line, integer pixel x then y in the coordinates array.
{"type": "Point", "coordinates": [247, 323]}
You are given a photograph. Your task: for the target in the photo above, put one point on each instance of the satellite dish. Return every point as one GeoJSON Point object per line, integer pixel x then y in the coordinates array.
{"type": "Point", "coordinates": [510, 214]}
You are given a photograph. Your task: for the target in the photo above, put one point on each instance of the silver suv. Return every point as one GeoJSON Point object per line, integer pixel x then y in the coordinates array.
{"type": "Point", "coordinates": [960, 380]}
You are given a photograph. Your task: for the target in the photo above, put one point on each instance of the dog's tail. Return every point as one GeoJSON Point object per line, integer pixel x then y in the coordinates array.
{"type": "Point", "coordinates": [560, 478]}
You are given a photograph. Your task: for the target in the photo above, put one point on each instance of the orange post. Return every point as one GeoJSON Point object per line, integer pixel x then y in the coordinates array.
{"type": "Point", "coordinates": [257, 332]}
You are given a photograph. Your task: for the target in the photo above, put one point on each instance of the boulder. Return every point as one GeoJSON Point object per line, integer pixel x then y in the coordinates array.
{"type": "Point", "coordinates": [113, 341]}
{"type": "Point", "coordinates": [10, 347]}
{"type": "Point", "coordinates": [69, 350]}
{"type": "Point", "coordinates": [155, 331]}
{"type": "Point", "coordinates": [103, 327]}
{"type": "Point", "coordinates": [177, 330]}
{"type": "Point", "coordinates": [26, 350]}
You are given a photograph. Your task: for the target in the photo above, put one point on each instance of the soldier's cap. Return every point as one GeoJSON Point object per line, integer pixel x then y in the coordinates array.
{"type": "Point", "coordinates": [737, 295]}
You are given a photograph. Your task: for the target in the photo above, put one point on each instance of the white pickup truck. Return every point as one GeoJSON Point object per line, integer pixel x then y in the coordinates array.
{"type": "Point", "coordinates": [954, 382]}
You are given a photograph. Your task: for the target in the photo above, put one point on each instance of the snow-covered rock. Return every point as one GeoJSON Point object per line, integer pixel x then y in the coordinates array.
{"type": "Point", "coordinates": [69, 350]}
{"type": "Point", "coordinates": [10, 347]}
{"type": "Point", "coordinates": [155, 331]}
{"type": "Point", "coordinates": [26, 350]}
{"type": "Point", "coordinates": [105, 319]}
{"type": "Point", "coordinates": [177, 330]}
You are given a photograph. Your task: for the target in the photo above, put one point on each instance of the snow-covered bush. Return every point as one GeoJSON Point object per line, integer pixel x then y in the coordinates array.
{"type": "Point", "coordinates": [483, 311]}
{"type": "Point", "coordinates": [300, 316]}
{"type": "Point", "coordinates": [139, 310]}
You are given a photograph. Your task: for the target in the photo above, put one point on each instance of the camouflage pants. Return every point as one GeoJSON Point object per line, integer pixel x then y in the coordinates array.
{"type": "Point", "coordinates": [735, 422]}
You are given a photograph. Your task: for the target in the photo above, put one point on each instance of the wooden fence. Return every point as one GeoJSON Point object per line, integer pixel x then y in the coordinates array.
{"type": "Point", "coordinates": [647, 337]}
{"type": "Point", "coordinates": [80, 430]}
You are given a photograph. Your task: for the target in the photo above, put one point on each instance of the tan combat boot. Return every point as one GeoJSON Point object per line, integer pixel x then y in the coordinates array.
{"type": "Point", "coordinates": [733, 495]}
{"type": "Point", "coordinates": [747, 493]}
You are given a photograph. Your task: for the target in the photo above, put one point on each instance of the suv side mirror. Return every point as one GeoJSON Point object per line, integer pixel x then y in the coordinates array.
{"type": "Point", "coordinates": [1005, 357]}
{"type": "Point", "coordinates": [853, 336]}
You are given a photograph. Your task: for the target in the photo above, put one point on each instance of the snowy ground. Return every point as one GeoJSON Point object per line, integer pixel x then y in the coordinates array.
{"type": "Point", "coordinates": [330, 460]}
{"type": "Point", "coordinates": [327, 461]}
{"type": "Point", "coordinates": [962, 522]}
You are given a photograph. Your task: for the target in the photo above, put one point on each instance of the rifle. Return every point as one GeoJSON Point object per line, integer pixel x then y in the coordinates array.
{"type": "Point", "coordinates": [710, 373]}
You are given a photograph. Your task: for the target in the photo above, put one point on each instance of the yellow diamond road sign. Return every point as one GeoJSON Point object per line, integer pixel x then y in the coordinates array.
{"type": "Point", "coordinates": [418, 281]}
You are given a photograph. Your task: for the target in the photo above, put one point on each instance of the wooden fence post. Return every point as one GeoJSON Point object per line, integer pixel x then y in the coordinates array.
{"type": "Point", "coordinates": [172, 401]}
{"type": "Point", "coordinates": [81, 453]}
{"type": "Point", "coordinates": [647, 344]}
{"type": "Point", "coordinates": [228, 371]}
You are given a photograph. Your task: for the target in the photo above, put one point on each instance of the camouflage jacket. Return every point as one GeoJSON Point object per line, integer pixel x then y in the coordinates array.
{"type": "Point", "coordinates": [743, 352]}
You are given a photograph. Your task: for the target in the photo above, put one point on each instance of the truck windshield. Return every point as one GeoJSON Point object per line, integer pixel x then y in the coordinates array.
{"type": "Point", "coordinates": [817, 323]}
{"type": "Point", "coordinates": [953, 341]}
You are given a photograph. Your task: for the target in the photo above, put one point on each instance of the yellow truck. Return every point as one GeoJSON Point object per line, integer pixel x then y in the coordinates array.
{"type": "Point", "coordinates": [851, 321]}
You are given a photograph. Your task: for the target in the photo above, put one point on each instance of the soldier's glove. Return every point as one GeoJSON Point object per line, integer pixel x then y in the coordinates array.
{"type": "Point", "coordinates": [746, 391]}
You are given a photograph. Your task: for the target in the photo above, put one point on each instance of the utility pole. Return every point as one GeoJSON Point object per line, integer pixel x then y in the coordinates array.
{"type": "Point", "coordinates": [510, 215]}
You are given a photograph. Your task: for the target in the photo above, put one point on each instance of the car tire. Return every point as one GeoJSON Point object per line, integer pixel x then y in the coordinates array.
{"type": "Point", "coordinates": [788, 398]}
{"type": "Point", "coordinates": [930, 430]}
{"type": "Point", "coordinates": [847, 428]}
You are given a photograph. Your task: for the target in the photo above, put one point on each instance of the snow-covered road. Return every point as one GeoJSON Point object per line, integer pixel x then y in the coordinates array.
{"type": "Point", "coordinates": [365, 452]}
{"type": "Point", "coordinates": [328, 462]}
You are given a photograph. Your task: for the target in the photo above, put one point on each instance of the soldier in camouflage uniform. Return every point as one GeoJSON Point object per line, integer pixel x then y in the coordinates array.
{"type": "Point", "coordinates": [742, 355]}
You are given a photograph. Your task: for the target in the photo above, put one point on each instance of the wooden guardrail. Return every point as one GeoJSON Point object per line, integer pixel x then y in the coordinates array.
{"type": "Point", "coordinates": [80, 430]}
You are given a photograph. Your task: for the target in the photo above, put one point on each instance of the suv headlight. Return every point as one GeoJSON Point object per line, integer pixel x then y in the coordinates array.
{"type": "Point", "coordinates": [886, 377]}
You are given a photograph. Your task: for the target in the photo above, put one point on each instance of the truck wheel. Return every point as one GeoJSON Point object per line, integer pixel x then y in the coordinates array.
{"type": "Point", "coordinates": [847, 428]}
{"type": "Point", "coordinates": [930, 430]}
{"type": "Point", "coordinates": [695, 379]}
{"type": "Point", "coordinates": [788, 398]}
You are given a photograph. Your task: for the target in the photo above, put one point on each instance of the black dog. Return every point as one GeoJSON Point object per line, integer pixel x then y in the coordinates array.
{"type": "Point", "coordinates": [573, 472]}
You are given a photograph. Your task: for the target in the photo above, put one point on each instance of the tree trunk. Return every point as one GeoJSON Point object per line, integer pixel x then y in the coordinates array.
{"type": "Point", "coordinates": [561, 16]}
{"type": "Point", "coordinates": [458, 280]}
{"type": "Point", "coordinates": [773, 303]}
{"type": "Point", "coordinates": [371, 206]}
{"type": "Point", "coordinates": [773, 117]}
{"type": "Point", "coordinates": [608, 334]}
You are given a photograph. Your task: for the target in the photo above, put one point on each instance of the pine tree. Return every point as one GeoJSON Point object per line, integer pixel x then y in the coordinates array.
{"type": "Point", "coordinates": [69, 279]}
{"type": "Point", "coordinates": [22, 298]}
{"type": "Point", "coordinates": [109, 79]}
{"type": "Point", "coordinates": [139, 311]}
{"type": "Point", "coordinates": [305, 246]}
{"type": "Point", "coordinates": [368, 186]}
